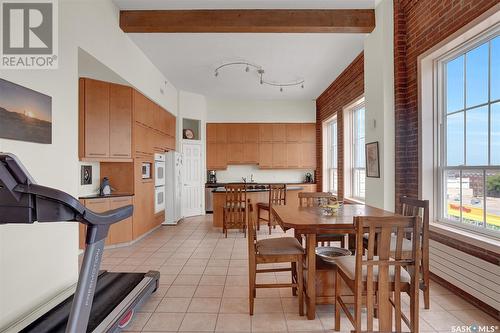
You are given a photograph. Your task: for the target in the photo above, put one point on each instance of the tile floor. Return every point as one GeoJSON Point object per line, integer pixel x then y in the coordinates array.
{"type": "Point", "coordinates": [203, 288]}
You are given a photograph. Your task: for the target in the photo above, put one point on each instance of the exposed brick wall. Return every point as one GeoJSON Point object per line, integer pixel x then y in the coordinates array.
{"type": "Point", "coordinates": [348, 86]}
{"type": "Point", "coordinates": [418, 26]}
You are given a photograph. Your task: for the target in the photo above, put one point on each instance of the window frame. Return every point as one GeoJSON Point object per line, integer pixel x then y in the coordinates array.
{"type": "Point", "coordinates": [441, 99]}
{"type": "Point", "coordinates": [349, 169]}
{"type": "Point", "coordinates": [328, 148]}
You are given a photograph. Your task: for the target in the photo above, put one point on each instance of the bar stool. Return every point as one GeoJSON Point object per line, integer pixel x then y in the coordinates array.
{"type": "Point", "coordinates": [234, 214]}
{"type": "Point", "coordinates": [277, 197]}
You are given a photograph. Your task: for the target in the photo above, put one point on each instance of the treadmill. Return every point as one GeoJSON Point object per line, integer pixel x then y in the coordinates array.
{"type": "Point", "coordinates": [103, 301]}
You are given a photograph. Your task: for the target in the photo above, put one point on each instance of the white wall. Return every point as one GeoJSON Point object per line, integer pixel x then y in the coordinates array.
{"type": "Point", "coordinates": [38, 261]}
{"type": "Point", "coordinates": [379, 98]}
{"type": "Point", "coordinates": [232, 111]}
{"type": "Point", "coordinates": [235, 172]}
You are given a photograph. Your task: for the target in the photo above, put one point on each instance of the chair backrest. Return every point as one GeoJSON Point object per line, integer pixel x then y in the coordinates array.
{"type": "Point", "coordinates": [277, 194]}
{"type": "Point", "coordinates": [382, 262]}
{"type": "Point", "coordinates": [315, 199]}
{"type": "Point", "coordinates": [251, 228]}
{"type": "Point", "coordinates": [419, 208]}
{"type": "Point", "coordinates": [234, 208]}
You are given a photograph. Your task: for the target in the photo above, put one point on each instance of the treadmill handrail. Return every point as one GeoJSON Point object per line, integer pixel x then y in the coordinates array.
{"type": "Point", "coordinates": [86, 215]}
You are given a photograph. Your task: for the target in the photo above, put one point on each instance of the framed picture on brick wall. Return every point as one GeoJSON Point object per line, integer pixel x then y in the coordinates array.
{"type": "Point", "coordinates": [372, 160]}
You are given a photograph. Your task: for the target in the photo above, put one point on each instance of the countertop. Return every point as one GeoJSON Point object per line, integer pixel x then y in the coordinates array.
{"type": "Point", "coordinates": [255, 183]}
{"type": "Point", "coordinates": [112, 195]}
{"type": "Point", "coordinates": [288, 188]}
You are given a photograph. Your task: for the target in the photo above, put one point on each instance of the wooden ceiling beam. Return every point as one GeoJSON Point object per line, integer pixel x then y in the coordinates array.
{"type": "Point", "coordinates": [249, 21]}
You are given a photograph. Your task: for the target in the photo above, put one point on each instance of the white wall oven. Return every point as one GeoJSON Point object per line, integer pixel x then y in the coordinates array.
{"type": "Point", "coordinates": [159, 169]}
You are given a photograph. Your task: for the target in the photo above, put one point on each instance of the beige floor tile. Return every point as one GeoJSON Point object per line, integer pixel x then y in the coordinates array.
{"type": "Point", "coordinates": [268, 322]}
{"type": "Point", "coordinates": [237, 271]}
{"type": "Point", "coordinates": [451, 302]}
{"type": "Point", "coordinates": [290, 304]}
{"type": "Point", "coordinates": [218, 263]}
{"type": "Point", "coordinates": [227, 322]}
{"type": "Point", "coordinates": [192, 269]}
{"type": "Point", "coordinates": [187, 280]}
{"type": "Point", "coordinates": [167, 278]}
{"type": "Point", "coordinates": [215, 270]}
{"type": "Point", "coordinates": [181, 291]}
{"type": "Point", "coordinates": [170, 269]}
{"type": "Point", "coordinates": [441, 320]}
{"type": "Point", "coordinates": [475, 316]}
{"type": "Point", "coordinates": [173, 304]}
{"type": "Point", "coordinates": [295, 322]}
{"type": "Point", "coordinates": [164, 322]}
{"type": "Point", "coordinates": [209, 291]}
{"type": "Point", "coordinates": [237, 280]}
{"type": "Point", "coordinates": [234, 305]}
{"type": "Point", "coordinates": [212, 280]}
{"type": "Point", "coordinates": [267, 305]}
{"type": "Point", "coordinates": [237, 291]}
{"type": "Point", "coordinates": [150, 305]}
{"type": "Point", "coordinates": [198, 322]}
{"type": "Point", "coordinates": [205, 305]}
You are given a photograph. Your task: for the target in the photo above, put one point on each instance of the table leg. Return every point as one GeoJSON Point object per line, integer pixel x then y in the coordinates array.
{"type": "Point", "coordinates": [311, 275]}
{"type": "Point", "coordinates": [352, 242]}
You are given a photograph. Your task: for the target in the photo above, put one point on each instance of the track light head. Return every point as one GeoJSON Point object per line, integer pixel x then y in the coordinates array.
{"type": "Point", "coordinates": [247, 69]}
{"type": "Point", "coordinates": [281, 89]}
{"type": "Point", "coordinates": [216, 73]}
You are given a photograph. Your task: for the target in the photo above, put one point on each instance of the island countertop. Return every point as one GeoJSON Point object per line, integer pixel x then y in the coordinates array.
{"type": "Point", "coordinates": [255, 196]}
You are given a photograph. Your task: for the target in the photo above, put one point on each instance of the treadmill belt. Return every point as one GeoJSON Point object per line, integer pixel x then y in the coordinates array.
{"type": "Point", "coordinates": [111, 289]}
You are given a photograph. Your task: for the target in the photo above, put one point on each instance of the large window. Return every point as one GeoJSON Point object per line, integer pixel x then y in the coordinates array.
{"type": "Point", "coordinates": [355, 150]}
{"type": "Point", "coordinates": [331, 155]}
{"type": "Point", "coordinates": [469, 168]}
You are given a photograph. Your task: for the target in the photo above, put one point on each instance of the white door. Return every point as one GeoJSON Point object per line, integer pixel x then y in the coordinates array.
{"type": "Point", "coordinates": [192, 179]}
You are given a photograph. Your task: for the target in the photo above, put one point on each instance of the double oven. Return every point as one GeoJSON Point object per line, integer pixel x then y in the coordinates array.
{"type": "Point", "coordinates": [159, 176]}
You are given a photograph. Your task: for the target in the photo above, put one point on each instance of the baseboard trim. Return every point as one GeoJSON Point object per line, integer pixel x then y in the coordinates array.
{"type": "Point", "coordinates": [466, 296]}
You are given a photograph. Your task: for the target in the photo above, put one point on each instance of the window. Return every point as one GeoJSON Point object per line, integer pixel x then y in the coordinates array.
{"type": "Point", "coordinates": [469, 166]}
{"type": "Point", "coordinates": [331, 155]}
{"type": "Point", "coordinates": [355, 150]}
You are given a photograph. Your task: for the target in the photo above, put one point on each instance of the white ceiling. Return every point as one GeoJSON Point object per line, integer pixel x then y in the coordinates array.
{"type": "Point", "coordinates": [244, 4]}
{"type": "Point", "coordinates": [188, 60]}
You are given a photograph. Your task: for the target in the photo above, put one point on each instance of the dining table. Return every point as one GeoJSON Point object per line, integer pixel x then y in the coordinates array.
{"type": "Point", "coordinates": [312, 221]}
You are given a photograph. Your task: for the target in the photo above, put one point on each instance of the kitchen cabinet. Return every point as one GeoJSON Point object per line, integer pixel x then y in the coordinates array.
{"type": "Point", "coordinates": [293, 155]}
{"type": "Point", "coordinates": [250, 133]}
{"type": "Point", "coordinates": [279, 132]}
{"type": "Point", "coordinates": [234, 153]}
{"type": "Point", "coordinates": [143, 139]}
{"type": "Point", "coordinates": [308, 133]}
{"type": "Point", "coordinates": [211, 133]}
{"type": "Point", "coordinates": [266, 133]}
{"type": "Point", "coordinates": [266, 155]}
{"type": "Point", "coordinates": [94, 119]}
{"type": "Point", "coordinates": [120, 121]}
{"type": "Point", "coordinates": [250, 153]}
{"type": "Point", "coordinates": [293, 133]}
{"type": "Point", "coordinates": [234, 133]}
{"type": "Point", "coordinates": [308, 156]}
{"type": "Point", "coordinates": [279, 155]}
{"type": "Point", "coordinates": [217, 156]}
{"type": "Point", "coordinates": [141, 108]}
{"type": "Point", "coordinates": [143, 200]}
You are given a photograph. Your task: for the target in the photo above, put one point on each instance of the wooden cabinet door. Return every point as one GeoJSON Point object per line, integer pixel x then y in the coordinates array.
{"type": "Point", "coordinates": [211, 132]}
{"type": "Point", "coordinates": [265, 155]}
{"type": "Point", "coordinates": [98, 206]}
{"type": "Point", "coordinates": [234, 133]}
{"type": "Point", "coordinates": [293, 133]}
{"type": "Point", "coordinates": [211, 156]}
{"type": "Point", "coordinates": [141, 139]}
{"type": "Point", "coordinates": [279, 132]}
{"type": "Point", "coordinates": [120, 232]}
{"type": "Point", "coordinates": [140, 107]}
{"type": "Point", "coordinates": [293, 155]}
{"type": "Point", "coordinates": [250, 133]}
{"type": "Point", "coordinates": [251, 153]}
{"type": "Point", "coordinates": [234, 153]}
{"type": "Point", "coordinates": [172, 125]}
{"type": "Point", "coordinates": [266, 133]}
{"type": "Point", "coordinates": [279, 155]}
{"type": "Point", "coordinates": [221, 156]}
{"type": "Point", "coordinates": [96, 119]}
{"type": "Point", "coordinates": [308, 133]}
{"type": "Point", "coordinates": [221, 133]}
{"type": "Point", "coordinates": [120, 121]}
{"type": "Point", "coordinates": [308, 155]}
{"type": "Point", "coordinates": [143, 199]}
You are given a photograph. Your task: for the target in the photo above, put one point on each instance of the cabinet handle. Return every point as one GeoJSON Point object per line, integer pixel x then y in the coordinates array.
{"type": "Point", "coordinates": [126, 155]}
{"type": "Point", "coordinates": [97, 154]}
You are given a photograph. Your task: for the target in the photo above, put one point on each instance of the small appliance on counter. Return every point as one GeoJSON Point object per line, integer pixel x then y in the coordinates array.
{"type": "Point", "coordinates": [105, 188]}
{"type": "Point", "coordinates": [212, 176]}
{"type": "Point", "coordinates": [309, 178]}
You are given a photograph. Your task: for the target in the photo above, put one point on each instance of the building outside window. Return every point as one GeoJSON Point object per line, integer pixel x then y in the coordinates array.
{"type": "Point", "coordinates": [469, 157]}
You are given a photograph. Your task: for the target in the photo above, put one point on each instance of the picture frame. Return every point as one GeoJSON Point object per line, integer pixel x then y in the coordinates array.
{"type": "Point", "coordinates": [372, 160]}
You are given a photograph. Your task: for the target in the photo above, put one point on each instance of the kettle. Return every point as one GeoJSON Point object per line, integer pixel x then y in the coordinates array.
{"type": "Point", "coordinates": [309, 178]}
{"type": "Point", "coordinates": [105, 188]}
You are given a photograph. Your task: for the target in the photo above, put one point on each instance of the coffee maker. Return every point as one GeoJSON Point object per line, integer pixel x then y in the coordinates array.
{"type": "Point", "coordinates": [212, 176]}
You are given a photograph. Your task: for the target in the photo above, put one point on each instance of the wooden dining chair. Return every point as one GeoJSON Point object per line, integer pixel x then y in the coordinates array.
{"type": "Point", "coordinates": [235, 213]}
{"type": "Point", "coordinates": [375, 278]}
{"type": "Point", "coordinates": [270, 251]}
{"type": "Point", "coordinates": [277, 197]}
{"type": "Point", "coordinates": [316, 199]}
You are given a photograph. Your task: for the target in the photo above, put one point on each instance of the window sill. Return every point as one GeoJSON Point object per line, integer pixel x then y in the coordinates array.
{"type": "Point", "coordinates": [468, 237]}
{"type": "Point", "coordinates": [354, 201]}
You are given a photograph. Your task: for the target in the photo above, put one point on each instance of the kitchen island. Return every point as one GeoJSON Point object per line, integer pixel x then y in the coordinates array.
{"type": "Point", "coordinates": [256, 193]}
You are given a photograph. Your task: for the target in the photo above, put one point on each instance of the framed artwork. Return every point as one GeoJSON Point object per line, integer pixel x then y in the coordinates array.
{"type": "Point", "coordinates": [372, 160]}
{"type": "Point", "coordinates": [25, 114]}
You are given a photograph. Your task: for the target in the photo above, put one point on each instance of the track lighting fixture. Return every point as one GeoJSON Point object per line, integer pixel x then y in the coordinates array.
{"type": "Point", "coordinates": [260, 72]}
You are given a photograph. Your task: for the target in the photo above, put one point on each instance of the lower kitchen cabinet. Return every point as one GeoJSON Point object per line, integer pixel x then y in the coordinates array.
{"type": "Point", "coordinates": [120, 232]}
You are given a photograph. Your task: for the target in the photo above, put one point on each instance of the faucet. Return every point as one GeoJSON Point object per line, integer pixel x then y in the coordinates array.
{"type": "Point", "coordinates": [251, 178]}
{"type": "Point", "coordinates": [244, 179]}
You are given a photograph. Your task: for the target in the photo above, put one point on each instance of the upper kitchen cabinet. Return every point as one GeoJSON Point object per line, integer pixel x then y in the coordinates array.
{"type": "Point", "coordinates": [250, 133]}
{"type": "Point", "coordinates": [234, 133]}
{"type": "Point", "coordinates": [308, 132]}
{"type": "Point", "coordinates": [120, 121]}
{"type": "Point", "coordinates": [293, 133]}
{"type": "Point", "coordinates": [105, 121]}
{"type": "Point", "coordinates": [266, 132]}
{"type": "Point", "coordinates": [217, 133]}
{"type": "Point", "coordinates": [279, 132]}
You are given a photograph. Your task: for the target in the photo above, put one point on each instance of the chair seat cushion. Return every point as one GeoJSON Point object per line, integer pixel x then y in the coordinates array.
{"type": "Point", "coordinates": [348, 265]}
{"type": "Point", "coordinates": [277, 246]}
